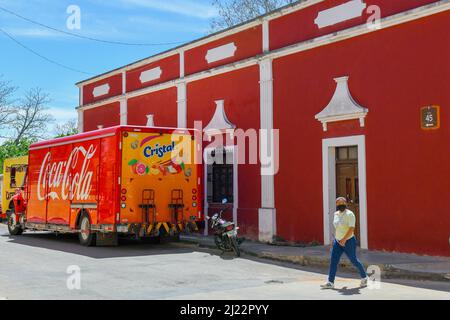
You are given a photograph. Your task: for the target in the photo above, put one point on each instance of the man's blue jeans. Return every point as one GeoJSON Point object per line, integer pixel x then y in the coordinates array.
{"type": "Point", "coordinates": [350, 251]}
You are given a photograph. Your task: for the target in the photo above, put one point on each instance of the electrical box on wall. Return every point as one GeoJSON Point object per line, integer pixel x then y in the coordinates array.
{"type": "Point", "coordinates": [430, 117]}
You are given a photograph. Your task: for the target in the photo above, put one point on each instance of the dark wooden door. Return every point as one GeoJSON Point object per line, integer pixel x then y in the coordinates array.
{"type": "Point", "coordinates": [347, 181]}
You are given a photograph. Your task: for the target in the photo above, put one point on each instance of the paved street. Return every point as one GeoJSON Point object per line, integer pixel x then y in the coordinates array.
{"type": "Point", "coordinates": [34, 266]}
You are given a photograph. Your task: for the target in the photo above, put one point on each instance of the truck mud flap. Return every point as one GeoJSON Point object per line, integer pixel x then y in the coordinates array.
{"type": "Point", "coordinates": [166, 227]}
{"type": "Point", "coordinates": [107, 239]}
{"type": "Point", "coordinates": [170, 229]}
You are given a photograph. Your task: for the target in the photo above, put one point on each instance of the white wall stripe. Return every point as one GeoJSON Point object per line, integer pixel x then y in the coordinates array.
{"type": "Point", "coordinates": [80, 121]}
{"type": "Point", "coordinates": [182, 105]}
{"type": "Point", "coordinates": [267, 212]}
{"type": "Point", "coordinates": [266, 36]}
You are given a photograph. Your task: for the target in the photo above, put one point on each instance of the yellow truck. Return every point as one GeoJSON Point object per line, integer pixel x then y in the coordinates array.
{"type": "Point", "coordinates": [14, 176]}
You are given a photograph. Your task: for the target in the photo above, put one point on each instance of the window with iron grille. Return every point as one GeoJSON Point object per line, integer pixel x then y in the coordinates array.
{"type": "Point", "coordinates": [220, 177]}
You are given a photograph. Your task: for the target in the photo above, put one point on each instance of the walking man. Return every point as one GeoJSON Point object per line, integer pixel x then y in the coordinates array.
{"type": "Point", "coordinates": [345, 241]}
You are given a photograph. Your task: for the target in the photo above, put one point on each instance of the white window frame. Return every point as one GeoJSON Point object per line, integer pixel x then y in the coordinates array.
{"type": "Point", "coordinates": [329, 183]}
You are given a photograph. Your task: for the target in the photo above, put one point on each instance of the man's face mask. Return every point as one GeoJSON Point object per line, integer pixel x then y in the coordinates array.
{"type": "Point", "coordinates": [342, 207]}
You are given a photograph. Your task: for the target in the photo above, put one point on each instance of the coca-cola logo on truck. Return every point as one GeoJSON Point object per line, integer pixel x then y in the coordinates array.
{"type": "Point", "coordinates": [62, 177]}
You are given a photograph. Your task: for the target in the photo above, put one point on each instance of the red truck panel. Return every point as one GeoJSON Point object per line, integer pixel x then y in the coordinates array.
{"type": "Point", "coordinates": [73, 171]}
{"type": "Point", "coordinates": [108, 188]}
{"type": "Point", "coordinates": [37, 209]}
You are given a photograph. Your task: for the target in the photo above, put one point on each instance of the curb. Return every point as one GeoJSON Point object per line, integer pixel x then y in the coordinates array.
{"type": "Point", "coordinates": [387, 271]}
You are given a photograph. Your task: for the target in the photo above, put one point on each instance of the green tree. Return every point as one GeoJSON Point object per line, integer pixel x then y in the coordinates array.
{"type": "Point", "coordinates": [234, 12]}
{"type": "Point", "coordinates": [11, 149]}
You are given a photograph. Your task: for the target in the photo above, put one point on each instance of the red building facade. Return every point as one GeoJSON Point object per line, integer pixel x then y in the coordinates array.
{"type": "Point", "coordinates": [359, 93]}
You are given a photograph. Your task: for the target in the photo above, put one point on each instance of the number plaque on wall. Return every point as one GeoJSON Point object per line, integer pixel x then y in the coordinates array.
{"type": "Point", "coordinates": [430, 117]}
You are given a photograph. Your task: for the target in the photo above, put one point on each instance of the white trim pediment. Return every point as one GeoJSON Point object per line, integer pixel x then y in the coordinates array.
{"type": "Point", "coordinates": [101, 90]}
{"type": "Point", "coordinates": [346, 11]}
{"type": "Point", "coordinates": [150, 120]}
{"type": "Point", "coordinates": [150, 75]}
{"type": "Point", "coordinates": [342, 106]}
{"type": "Point", "coordinates": [219, 121]}
{"type": "Point", "coordinates": [221, 53]}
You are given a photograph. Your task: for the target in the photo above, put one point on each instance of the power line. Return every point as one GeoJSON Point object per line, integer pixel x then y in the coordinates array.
{"type": "Point", "coordinates": [42, 56]}
{"type": "Point", "coordinates": [86, 37]}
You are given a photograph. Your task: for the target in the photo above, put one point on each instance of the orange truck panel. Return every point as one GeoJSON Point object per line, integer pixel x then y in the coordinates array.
{"type": "Point", "coordinates": [161, 164]}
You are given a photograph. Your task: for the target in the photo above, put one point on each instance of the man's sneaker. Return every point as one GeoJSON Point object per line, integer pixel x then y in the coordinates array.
{"type": "Point", "coordinates": [364, 282]}
{"type": "Point", "coordinates": [328, 285]}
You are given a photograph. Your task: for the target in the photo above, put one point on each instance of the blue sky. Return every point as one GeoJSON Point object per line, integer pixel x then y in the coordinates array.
{"type": "Point", "coordinates": [136, 21]}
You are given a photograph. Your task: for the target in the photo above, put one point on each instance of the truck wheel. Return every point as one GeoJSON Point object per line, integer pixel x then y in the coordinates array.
{"type": "Point", "coordinates": [86, 236]}
{"type": "Point", "coordinates": [14, 227]}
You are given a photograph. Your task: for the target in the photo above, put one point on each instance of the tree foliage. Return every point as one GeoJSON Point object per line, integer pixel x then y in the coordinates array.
{"type": "Point", "coordinates": [11, 149]}
{"type": "Point", "coordinates": [234, 12]}
{"type": "Point", "coordinates": [6, 100]}
{"type": "Point", "coordinates": [22, 121]}
{"type": "Point", "coordinates": [30, 118]}
{"type": "Point", "coordinates": [66, 129]}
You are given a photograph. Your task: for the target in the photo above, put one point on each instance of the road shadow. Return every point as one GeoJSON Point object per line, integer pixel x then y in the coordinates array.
{"type": "Point", "coordinates": [443, 286]}
{"type": "Point", "coordinates": [345, 291]}
{"type": "Point", "coordinates": [69, 243]}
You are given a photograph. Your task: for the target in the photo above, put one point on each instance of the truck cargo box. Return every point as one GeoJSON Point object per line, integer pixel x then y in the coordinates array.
{"type": "Point", "coordinates": [132, 181]}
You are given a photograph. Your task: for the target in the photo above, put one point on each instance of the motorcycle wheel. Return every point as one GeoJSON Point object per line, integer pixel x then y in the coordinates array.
{"type": "Point", "coordinates": [218, 242]}
{"type": "Point", "coordinates": [235, 247]}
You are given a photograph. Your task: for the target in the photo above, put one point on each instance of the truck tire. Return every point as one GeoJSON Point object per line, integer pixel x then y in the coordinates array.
{"type": "Point", "coordinates": [86, 236]}
{"type": "Point", "coordinates": [14, 227]}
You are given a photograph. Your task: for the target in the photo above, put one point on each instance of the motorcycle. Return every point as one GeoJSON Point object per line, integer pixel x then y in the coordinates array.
{"type": "Point", "coordinates": [225, 233]}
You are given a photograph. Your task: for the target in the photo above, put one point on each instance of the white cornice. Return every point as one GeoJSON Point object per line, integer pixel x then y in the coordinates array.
{"type": "Point", "coordinates": [359, 30]}
{"type": "Point", "coordinates": [387, 22]}
{"type": "Point", "coordinates": [256, 22]}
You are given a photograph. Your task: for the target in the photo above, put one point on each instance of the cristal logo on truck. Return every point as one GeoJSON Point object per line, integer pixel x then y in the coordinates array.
{"type": "Point", "coordinates": [158, 150]}
{"type": "Point", "coordinates": [60, 175]}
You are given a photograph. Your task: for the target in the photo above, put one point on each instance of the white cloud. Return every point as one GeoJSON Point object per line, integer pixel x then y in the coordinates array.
{"type": "Point", "coordinates": [62, 115]}
{"type": "Point", "coordinates": [166, 25]}
{"type": "Point", "coordinates": [33, 33]}
{"type": "Point", "coordinates": [182, 7]}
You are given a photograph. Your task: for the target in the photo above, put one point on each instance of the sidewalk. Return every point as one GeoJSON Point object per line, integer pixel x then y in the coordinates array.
{"type": "Point", "coordinates": [392, 265]}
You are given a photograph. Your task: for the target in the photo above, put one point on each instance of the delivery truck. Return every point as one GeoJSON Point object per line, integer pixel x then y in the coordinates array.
{"type": "Point", "coordinates": [14, 179]}
{"type": "Point", "coordinates": [129, 181]}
